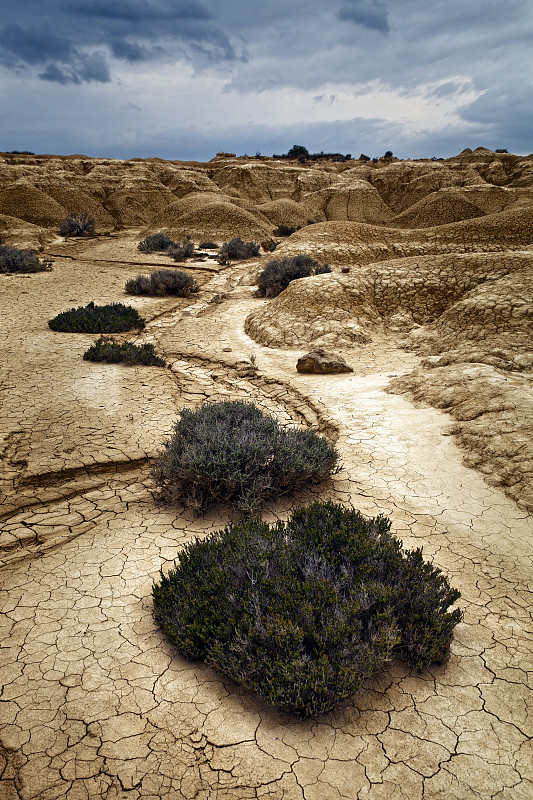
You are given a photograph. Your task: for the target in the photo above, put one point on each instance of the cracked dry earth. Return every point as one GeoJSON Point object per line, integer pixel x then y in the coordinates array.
{"type": "Point", "coordinates": [95, 703]}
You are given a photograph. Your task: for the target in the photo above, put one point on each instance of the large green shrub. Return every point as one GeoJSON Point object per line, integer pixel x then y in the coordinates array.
{"type": "Point", "coordinates": [163, 282]}
{"type": "Point", "coordinates": [112, 318]}
{"type": "Point", "coordinates": [13, 260]}
{"type": "Point", "coordinates": [233, 452]}
{"type": "Point", "coordinates": [279, 272]}
{"type": "Point", "coordinates": [106, 349]}
{"type": "Point", "coordinates": [304, 611]}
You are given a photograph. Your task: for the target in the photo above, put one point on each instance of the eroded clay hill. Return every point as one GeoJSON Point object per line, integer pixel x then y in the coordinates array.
{"type": "Point", "coordinates": [429, 300]}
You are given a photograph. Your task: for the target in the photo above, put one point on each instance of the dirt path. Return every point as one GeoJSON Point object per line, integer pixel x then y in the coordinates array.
{"type": "Point", "coordinates": [96, 704]}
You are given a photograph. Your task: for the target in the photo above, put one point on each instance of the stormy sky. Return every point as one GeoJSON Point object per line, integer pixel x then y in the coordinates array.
{"type": "Point", "coordinates": [183, 79]}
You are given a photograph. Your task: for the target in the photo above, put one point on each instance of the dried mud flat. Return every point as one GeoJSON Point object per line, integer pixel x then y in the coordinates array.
{"type": "Point", "coordinates": [95, 703]}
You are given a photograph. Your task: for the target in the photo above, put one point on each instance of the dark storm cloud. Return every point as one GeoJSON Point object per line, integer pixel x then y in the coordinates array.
{"type": "Point", "coordinates": [371, 14]}
{"type": "Point", "coordinates": [38, 46]}
{"type": "Point", "coordinates": [128, 51]}
{"type": "Point", "coordinates": [34, 45]}
{"type": "Point", "coordinates": [135, 11]}
{"type": "Point", "coordinates": [127, 30]}
{"type": "Point", "coordinates": [91, 68]}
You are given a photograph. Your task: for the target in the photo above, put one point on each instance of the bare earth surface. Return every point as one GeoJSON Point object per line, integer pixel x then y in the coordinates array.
{"type": "Point", "coordinates": [94, 702]}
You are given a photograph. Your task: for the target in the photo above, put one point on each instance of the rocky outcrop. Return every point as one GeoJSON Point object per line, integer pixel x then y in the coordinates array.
{"type": "Point", "coordinates": [319, 362]}
{"type": "Point", "coordinates": [464, 297]}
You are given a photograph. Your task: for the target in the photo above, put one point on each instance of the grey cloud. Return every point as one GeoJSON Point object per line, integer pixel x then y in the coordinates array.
{"type": "Point", "coordinates": [131, 30]}
{"type": "Point", "coordinates": [371, 14]}
{"type": "Point", "coordinates": [85, 68]}
{"type": "Point", "coordinates": [35, 45]}
{"type": "Point", "coordinates": [128, 51]}
{"type": "Point", "coordinates": [93, 67]}
{"type": "Point", "coordinates": [505, 113]}
{"type": "Point", "coordinates": [141, 10]}
{"type": "Point", "coordinates": [57, 74]}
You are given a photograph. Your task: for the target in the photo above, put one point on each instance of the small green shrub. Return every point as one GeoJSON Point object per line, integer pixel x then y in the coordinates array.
{"type": "Point", "coordinates": [77, 225]}
{"type": "Point", "coordinates": [156, 243]}
{"type": "Point", "coordinates": [181, 251]}
{"type": "Point", "coordinates": [108, 350]}
{"type": "Point", "coordinates": [113, 318]}
{"type": "Point", "coordinates": [12, 260]}
{"type": "Point", "coordinates": [303, 612]}
{"type": "Point", "coordinates": [286, 230]}
{"type": "Point", "coordinates": [236, 249]}
{"type": "Point", "coordinates": [232, 452]}
{"type": "Point", "coordinates": [278, 273]}
{"type": "Point", "coordinates": [208, 246]}
{"type": "Point", "coordinates": [163, 282]}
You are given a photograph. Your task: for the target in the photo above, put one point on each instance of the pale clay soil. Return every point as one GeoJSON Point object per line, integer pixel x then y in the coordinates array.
{"type": "Point", "coordinates": [95, 703]}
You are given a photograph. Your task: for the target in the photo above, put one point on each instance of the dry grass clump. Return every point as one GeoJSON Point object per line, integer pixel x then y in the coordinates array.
{"type": "Point", "coordinates": [163, 282]}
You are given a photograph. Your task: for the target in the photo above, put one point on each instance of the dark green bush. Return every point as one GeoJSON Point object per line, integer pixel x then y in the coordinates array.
{"type": "Point", "coordinates": [208, 246]}
{"type": "Point", "coordinates": [286, 230]}
{"type": "Point", "coordinates": [232, 452]}
{"type": "Point", "coordinates": [12, 259]}
{"type": "Point", "coordinates": [297, 150]}
{"type": "Point", "coordinates": [181, 251]}
{"type": "Point", "coordinates": [156, 243]}
{"type": "Point", "coordinates": [108, 350]}
{"type": "Point", "coordinates": [163, 282]}
{"type": "Point", "coordinates": [112, 318]}
{"type": "Point", "coordinates": [77, 225]}
{"type": "Point", "coordinates": [279, 272]}
{"type": "Point", "coordinates": [304, 611]}
{"type": "Point", "coordinates": [236, 249]}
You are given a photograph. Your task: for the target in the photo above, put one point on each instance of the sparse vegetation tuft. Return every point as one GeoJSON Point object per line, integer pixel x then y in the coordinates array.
{"type": "Point", "coordinates": [181, 251]}
{"type": "Point", "coordinates": [157, 243]}
{"type": "Point", "coordinates": [163, 282]}
{"type": "Point", "coordinates": [113, 318]}
{"type": "Point", "coordinates": [13, 260]}
{"type": "Point", "coordinates": [303, 612]}
{"type": "Point", "coordinates": [77, 225]}
{"type": "Point", "coordinates": [278, 273]}
{"type": "Point", "coordinates": [233, 452]}
{"type": "Point", "coordinates": [108, 350]}
{"type": "Point", "coordinates": [236, 249]}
